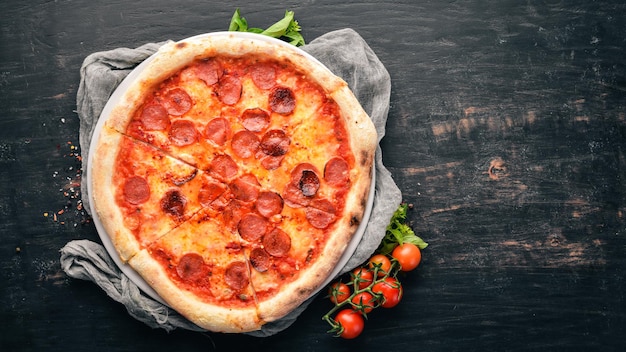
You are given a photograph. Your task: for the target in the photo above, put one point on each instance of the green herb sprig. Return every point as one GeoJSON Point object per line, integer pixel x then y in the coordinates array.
{"type": "Point", "coordinates": [399, 232]}
{"type": "Point", "coordinates": [286, 29]}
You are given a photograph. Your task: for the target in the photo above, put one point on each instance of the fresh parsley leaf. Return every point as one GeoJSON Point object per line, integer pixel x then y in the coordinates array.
{"type": "Point", "coordinates": [286, 29]}
{"type": "Point", "coordinates": [399, 232]}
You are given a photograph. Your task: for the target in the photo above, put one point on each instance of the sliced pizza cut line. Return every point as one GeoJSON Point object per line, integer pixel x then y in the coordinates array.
{"type": "Point", "coordinates": [175, 114]}
{"type": "Point", "coordinates": [191, 117]}
{"type": "Point", "coordinates": [200, 270]}
{"type": "Point", "coordinates": [141, 193]}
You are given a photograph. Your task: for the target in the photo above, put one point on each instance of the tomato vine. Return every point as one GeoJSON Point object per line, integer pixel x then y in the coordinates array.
{"type": "Point", "coordinates": [375, 283]}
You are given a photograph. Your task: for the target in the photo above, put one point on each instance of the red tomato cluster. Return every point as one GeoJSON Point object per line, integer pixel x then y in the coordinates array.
{"type": "Point", "coordinates": [374, 284]}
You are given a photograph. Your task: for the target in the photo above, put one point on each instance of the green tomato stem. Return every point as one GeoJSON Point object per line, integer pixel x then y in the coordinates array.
{"type": "Point", "coordinates": [354, 282]}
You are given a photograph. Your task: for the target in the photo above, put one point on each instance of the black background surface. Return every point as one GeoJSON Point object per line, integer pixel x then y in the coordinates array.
{"type": "Point", "coordinates": [506, 131]}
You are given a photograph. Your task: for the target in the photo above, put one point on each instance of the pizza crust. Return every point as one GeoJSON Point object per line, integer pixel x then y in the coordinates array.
{"type": "Point", "coordinates": [205, 315]}
{"type": "Point", "coordinates": [173, 56]}
{"type": "Point", "coordinates": [103, 194]}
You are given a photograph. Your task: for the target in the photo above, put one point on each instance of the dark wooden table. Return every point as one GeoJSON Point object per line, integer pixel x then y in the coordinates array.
{"type": "Point", "coordinates": [507, 131]}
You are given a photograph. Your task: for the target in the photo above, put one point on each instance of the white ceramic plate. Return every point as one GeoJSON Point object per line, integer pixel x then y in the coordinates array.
{"type": "Point", "coordinates": [106, 240]}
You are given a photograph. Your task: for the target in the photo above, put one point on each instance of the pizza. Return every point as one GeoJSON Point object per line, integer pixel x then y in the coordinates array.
{"type": "Point", "coordinates": [231, 174]}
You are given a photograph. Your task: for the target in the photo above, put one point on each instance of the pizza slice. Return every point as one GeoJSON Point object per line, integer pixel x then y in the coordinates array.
{"type": "Point", "coordinates": [247, 107]}
{"type": "Point", "coordinates": [200, 270]}
{"type": "Point", "coordinates": [141, 193]}
{"type": "Point", "coordinates": [175, 117]}
{"type": "Point", "coordinates": [293, 239]}
{"type": "Point", "coordinates": [281, 256]}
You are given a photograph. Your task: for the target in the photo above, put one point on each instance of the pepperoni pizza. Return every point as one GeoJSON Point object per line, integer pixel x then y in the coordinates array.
{"type": "Point", "coordinates": [231, 175]}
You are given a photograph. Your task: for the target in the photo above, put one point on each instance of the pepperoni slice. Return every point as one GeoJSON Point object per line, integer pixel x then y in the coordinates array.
{"type": "Point", "coordinates": [296, 173]}
{"type": "Point", "coordinates": [277, 243]}
{"type": "Point", "coordinates": [221, 202]}
{"type": "Point", "coordinates": [234, 212]}
{"type": "Point", "coordinates": [263, 75]}
{"type": "Point", "coordinates": [282, 100]}
{"type": "Point", "coordinates": [218, 131]}
{"type": "Point", "coordinates": [210, 192]}
{"type": "Point", "coordinates": [229, 90]}
{"type": "Point", "coordinates": [275, 143]}
{"type": "Point", "coordinates": [293, 196]}
{"type": "Point", "coordinates": [270, 162]}
{"type": "Point", "coordinates": [154, 117]}
{"type": "Point", "coordinates": [250, 178]}
{"type": "Point", "coordinates": [236, 275]}
{"type": "Point", "coordinates": [209, 71]}
{"type": "Point", "coordinates": [245, 144]}
{"type": "Point", "coordinates": [255, 120]}
{"type": "Point", "coordinates": [191, 267]}
{"type": "Point", "coordinates": [304, 185]}
{"type": "Point", "coordinates": [183, 132]}
{"type": "Point", "coordinates": [320, 213]}
{"type": "Point", "coordinates": [337, 172]}
{"type": "Point", "coordinates": [251, 227]}
{"type": "Point", "coordinates": [173, 203]}
{"type": "Point", "coordinates": [223, 167]}
{"type": "Point", "coordinates": [269, 204]}
{"type": "Point", "coordinates": [260, 259]}
{"type": "Point", "coordinates": [245, 188]}
{"type": "Point", "coordinates": [309, 183]}
{"type": "Point", "coordinates": [136, 190]}
{"type": "Point", "coordinates": [176, 101]}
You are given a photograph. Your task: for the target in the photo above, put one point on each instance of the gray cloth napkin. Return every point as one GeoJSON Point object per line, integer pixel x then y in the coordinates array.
{"type": "Point", "coordinates": [344, 52]}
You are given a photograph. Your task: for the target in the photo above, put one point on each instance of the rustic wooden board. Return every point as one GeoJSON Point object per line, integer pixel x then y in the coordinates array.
{"type": "Point", "coordinates": [506, 131]}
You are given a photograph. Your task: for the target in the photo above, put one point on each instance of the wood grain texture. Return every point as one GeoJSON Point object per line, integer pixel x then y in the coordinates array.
{"type": "Point", "coordinates": [506, 130]}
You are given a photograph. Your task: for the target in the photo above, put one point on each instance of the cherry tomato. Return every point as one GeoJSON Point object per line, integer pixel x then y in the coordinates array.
{"type": "Point", "coordinates": [364, 302]}
{"type": "Point", "coordinates": [382, 262]}
{"type": "Point", "coordinates": [339, 292]}
{"type": "Point", "coordinates": [408, 255]}
{"type": "Point", "coordinates": [391, 291]}
{"type": "Point", "coordinates": [352, 323]}
{"type": "Point", "coordinates": [363, 277]}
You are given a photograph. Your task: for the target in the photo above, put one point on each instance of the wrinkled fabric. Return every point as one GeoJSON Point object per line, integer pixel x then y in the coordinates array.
{"type": "Point", "coordinates": [344, 52]}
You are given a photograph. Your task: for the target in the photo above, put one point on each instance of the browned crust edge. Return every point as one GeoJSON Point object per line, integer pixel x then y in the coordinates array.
{"type": "Point", "coordinates": [102, 178]}
{"type": "Point", "coordinates": [209, 316]}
